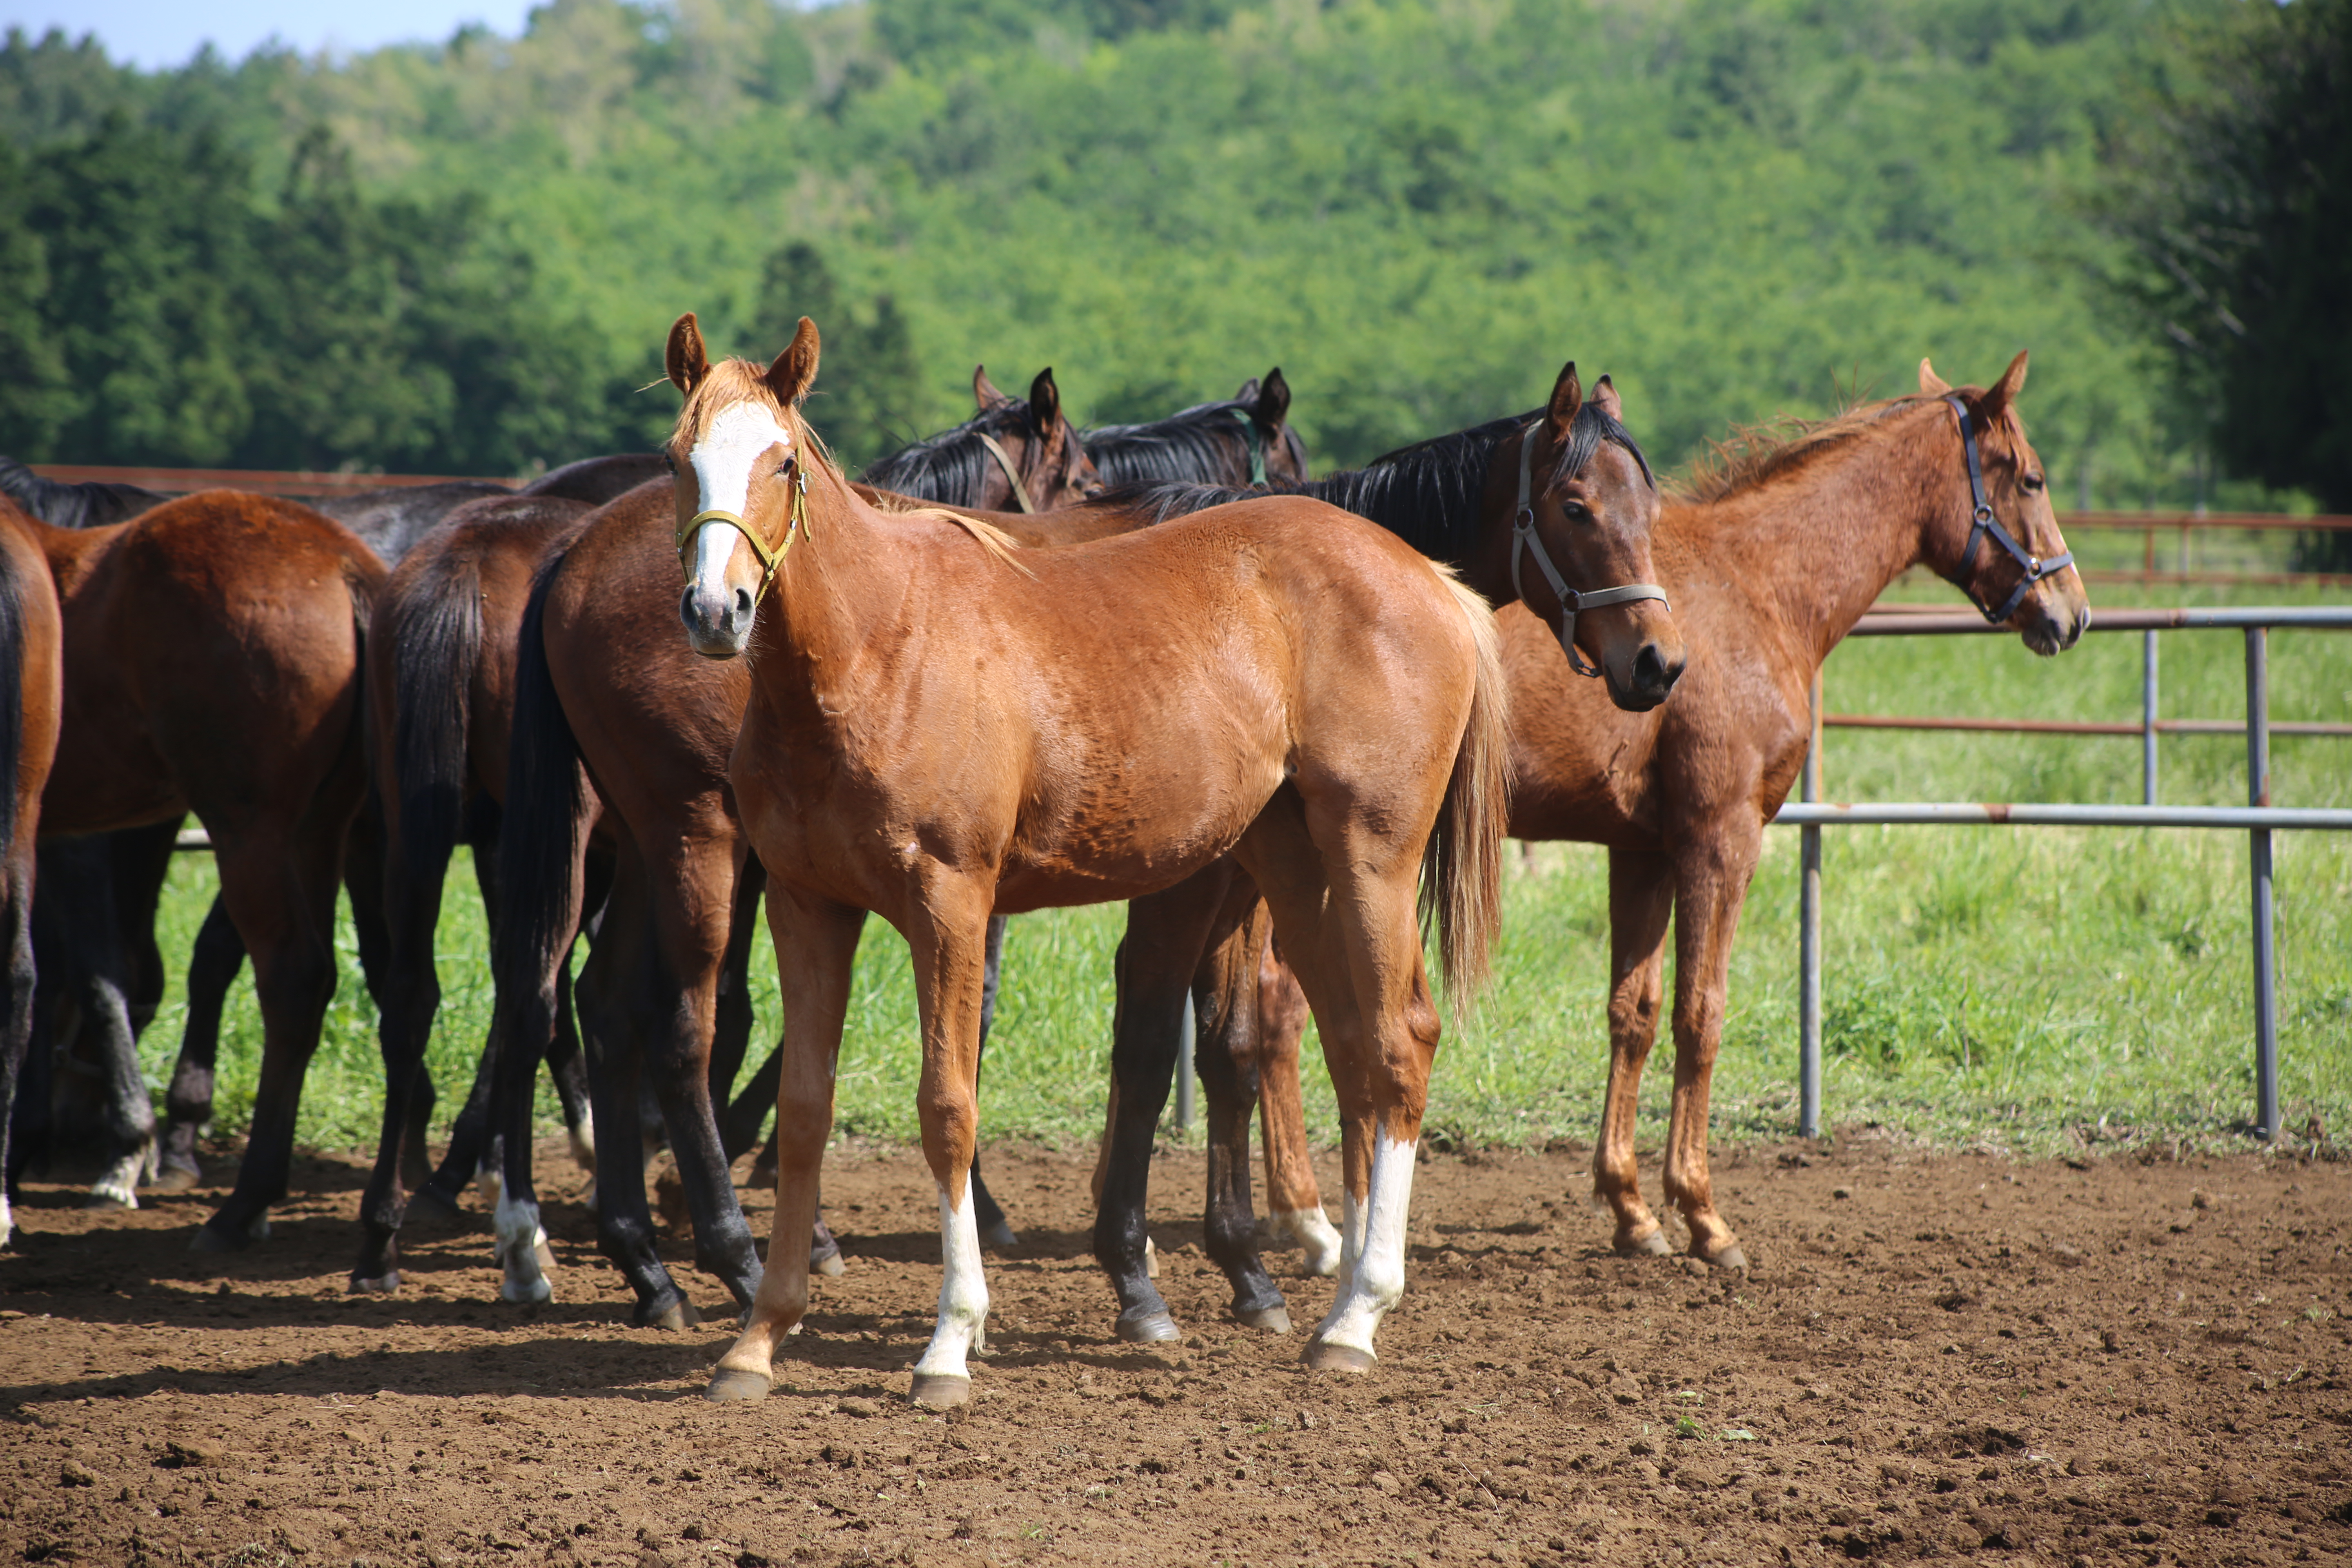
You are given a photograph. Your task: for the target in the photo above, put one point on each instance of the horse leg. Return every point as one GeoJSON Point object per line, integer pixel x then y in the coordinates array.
{"type": "Point", "coordinates": [816, 947]}
{"type": "Point", "coordinates": [950, 943]}
{"type": "Point", "coordinates": [1711, 885]}
{"type": "Point", "coordinates": [1641, 897]}
{"type": "Point", "coordinates": [1167, 934]}
{"type": "Point", "coordinates": [213, 966]}
{"type": "Point", "coordinates": [689, 957]}
{"type": "Point", "coordinates": [404, 885]}
{"type": "Point", "coordinates": [1294, 1200]}
{"type": "Point", "coordinates": [17, 983]}
{"type": "Point", "coordinates": [990, 1215]}
{"type": "Point", "coordinates": [281, 891]}
{"type": "Point", "coordinates": [1225, 991]}
{"type": "Point", "coordinates": [1342, 896]}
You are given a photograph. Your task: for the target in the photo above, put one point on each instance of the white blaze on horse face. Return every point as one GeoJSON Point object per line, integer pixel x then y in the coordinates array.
{"type": "Point", "coordinates": [740, 436]}
{"type": "Point", "coordinates": [963, 1293]}
{"type": "Point", "coordinates": [1376, 1281]}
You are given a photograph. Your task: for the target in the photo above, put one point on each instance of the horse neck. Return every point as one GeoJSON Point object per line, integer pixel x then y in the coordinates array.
{"type": "Point", "coordinates": [1821, 543]}
{"type": "Point", "coordinates": [841, 583]}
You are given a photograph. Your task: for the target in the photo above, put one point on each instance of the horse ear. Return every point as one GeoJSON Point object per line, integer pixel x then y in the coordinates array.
{"type": "Point", "coordinates": [1930, 384]}
{"type": "Point", "coordinates": [1046, 401]}
{"type": "Point", "coordinates": [1567, 399]}
{"type": "Point", "coordinates": [685, 358]}
{"type": "Point", "coordinates": [1273, 400]}
{"type": "Point", "coordinates": [1248, 390]}
{"type": "Point", "coordinates": [794, 370]}
{"type": "Point", "coordinates": [1605, 398]}
{"type": "Point", "coordinates": [983, 391]}
{"type": "Point", "coordinates": [2004, 391]}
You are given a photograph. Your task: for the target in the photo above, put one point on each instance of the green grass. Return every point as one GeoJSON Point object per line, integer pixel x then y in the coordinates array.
{"type": "Point", "coordinates": [2020, 988]}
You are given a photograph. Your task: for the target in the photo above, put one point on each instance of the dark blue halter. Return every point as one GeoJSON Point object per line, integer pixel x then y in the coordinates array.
{"type": "Point", "coordinates": [1983, 522]}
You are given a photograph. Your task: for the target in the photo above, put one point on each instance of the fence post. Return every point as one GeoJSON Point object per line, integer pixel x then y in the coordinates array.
{"type": "Point", "coordinates": [2258, 790]}
{"type": "Point", "coordinates": [1809, 940]}
{"type": "Point", "coordinates": [1184, 1067]}
{"type": "Point", "coordinates": [2148, 716]}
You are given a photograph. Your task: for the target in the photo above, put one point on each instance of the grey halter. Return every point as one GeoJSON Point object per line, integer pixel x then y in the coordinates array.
{"type": "Point", "coordinates": [1523, 539]}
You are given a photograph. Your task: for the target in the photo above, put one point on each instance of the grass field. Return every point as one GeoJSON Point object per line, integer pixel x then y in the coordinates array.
{"type": "Point", "coordinates": [2022, 988]}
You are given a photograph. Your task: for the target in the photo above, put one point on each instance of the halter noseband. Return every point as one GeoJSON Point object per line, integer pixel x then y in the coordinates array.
{"type": "Point", "coordinates": [771, 561]}
{"type": "Point", "coordinates": [1524, 538]}
{"type": "Point", "coordinates": [1983, 522]}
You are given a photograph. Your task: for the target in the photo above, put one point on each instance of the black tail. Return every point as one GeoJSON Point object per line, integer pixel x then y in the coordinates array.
{"type": "Point", "coordinates": [437, 643]}
{"type": "Point", "coordinates": [542, 842]}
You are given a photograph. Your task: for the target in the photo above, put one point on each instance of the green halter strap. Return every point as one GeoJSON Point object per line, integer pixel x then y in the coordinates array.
{"type": "Point", "coordinates": [1257, 444]}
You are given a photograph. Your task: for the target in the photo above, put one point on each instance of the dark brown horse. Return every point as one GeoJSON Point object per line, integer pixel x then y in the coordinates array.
{"type": "Point", "coordinates": [626, 735]}
{"type": "Point", "coordinates": [1771, 558]}
{"type": "Point", "coordinates": [31, 702]}
{"type": "Point", "coordinates": [211, 665]}
{"type": "Point", "coordinates": [941, 727]}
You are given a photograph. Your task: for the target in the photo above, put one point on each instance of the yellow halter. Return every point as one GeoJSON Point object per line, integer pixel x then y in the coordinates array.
{"type": "Point", "coordinates": [771, 561]}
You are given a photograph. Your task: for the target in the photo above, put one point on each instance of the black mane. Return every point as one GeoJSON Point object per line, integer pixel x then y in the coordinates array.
{"type": "Point", "coordinates": [1193, 444]}
{"type": "Point", "coordinates": [62, 505]}
{"type": "Point", "coordinates": [952, 467]}
{"type": "Point", "coordinates": [1426, 494]}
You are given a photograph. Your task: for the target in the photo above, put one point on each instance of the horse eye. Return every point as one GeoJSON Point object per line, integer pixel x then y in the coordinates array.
{"type": "Point", "coordinates": [1575, 511]}
{"type": "Point", "coordinates": [2032, 483]}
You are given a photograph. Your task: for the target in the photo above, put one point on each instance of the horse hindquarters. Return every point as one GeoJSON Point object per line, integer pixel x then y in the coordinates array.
{"type": "Point", "coordinates": [29, 703]}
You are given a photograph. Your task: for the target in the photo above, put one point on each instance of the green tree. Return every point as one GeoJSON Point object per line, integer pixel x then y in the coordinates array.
{"type": "Point", "coordinates": [2241, 213]}
{"type": "Point", "coordinates": [870, 383]}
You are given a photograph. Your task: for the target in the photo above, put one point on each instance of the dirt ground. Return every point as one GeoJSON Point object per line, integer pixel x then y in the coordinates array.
{"type": "Point", "coordinates": [1948, 1356]}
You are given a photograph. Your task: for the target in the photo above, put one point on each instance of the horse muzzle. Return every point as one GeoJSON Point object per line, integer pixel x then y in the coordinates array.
{"type": "Point", "coordinates": [718, 621]}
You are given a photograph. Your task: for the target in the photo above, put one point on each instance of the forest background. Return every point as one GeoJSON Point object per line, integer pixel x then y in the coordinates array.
{"type": "Point", "coordinates": [461, 258]}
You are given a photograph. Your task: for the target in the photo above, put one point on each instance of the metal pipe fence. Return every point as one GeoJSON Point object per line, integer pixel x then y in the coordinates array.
{"type": "Point", "coordinates": [2258, 818]}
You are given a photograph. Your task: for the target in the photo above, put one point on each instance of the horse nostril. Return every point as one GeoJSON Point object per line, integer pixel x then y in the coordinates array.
{"type": "Point", "coordinates": [743, 605]}
{"type": "Point", "coordinates": [1650, 668]}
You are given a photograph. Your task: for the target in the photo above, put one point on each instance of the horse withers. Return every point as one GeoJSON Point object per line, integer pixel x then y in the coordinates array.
{"type": "Point", "coordinates": [943, 726]}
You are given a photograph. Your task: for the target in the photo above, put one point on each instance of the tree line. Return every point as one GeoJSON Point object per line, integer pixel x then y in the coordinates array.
{"type": "Point", "coordinates": [460, 258]}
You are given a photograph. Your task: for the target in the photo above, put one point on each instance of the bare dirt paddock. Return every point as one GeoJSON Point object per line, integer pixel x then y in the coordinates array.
{"type": "Point", "coordinates": [1945, 1356]}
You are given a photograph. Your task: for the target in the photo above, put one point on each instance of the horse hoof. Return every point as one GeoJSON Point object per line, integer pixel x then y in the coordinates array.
{"type": "Point", "coordinates": [439, 1201]}
{"type": "Point", "coordinates": [207, 1239]}
{"type": "Point", "coordinates": [727, 1385]}
{"type": "Point", "coordinates": [1151, 1329]}
{"type": "Point", "coordinates": [374, 1285]}
{"type": "Point", "coordinates": [1273, 1319]}
{"type": "Point", "coordinates": [1323, 1356]}
{"type": "Point", "coordinates": [111, 1197]}
{"type": "Point", "coordinates": [998, 1237]}
{"type": "Point", "coordinates": [679, 1314]}
{"type": "Point", "coordinates": [941, 1390]}
{"type": "Point", "coordinates": [1654, 1244]}
{"type": "Point", "coordinates": [828, 1263]}
{"type": "Point", "coordinates": [177, 1179]}
{"type": "Point", "coordinates": [1731, 1260]}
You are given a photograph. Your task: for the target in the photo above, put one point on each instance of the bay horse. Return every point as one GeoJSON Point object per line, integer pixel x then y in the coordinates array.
{"type": "Point", "coordinates": [1772, 556]}
{"type": "Point", "coordinates": [625, 734]}
{"type": "Point", "coordinates": [942, 725]}
{"type": "Point", "coordinates": [212, 661]}
{"type": "Point", "coordinates": [31, 705]}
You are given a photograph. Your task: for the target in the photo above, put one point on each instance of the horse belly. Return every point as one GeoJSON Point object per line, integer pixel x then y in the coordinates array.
{"type": "Point", "coordinates": [1120, 834]}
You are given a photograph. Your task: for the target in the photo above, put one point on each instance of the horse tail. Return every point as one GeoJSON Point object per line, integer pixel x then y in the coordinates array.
{"type": "Point", "coordinates": [542, 843]}
{"type": "Point", "coordinates": [12, 702]}
{"type": "Point", "coordinates": [1461, 869]}
{"type": "Point", "coordinates": [436, 632]}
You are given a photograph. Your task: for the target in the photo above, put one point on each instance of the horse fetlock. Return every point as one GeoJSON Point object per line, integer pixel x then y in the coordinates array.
{"type": "Point", "coordinates": [118, 1187]}
{"type": "Point", "coordinates": [1312, 1232]}
{"type": "Point", "coordinates": [523, 1254]}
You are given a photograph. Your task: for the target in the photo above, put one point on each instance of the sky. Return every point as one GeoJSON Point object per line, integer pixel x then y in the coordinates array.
{"type": "Point", "coordinates": [153, 33]}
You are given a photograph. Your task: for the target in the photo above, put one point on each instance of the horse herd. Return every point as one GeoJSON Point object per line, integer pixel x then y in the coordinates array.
{"type": "Point", "coordinates": [1018, 665]}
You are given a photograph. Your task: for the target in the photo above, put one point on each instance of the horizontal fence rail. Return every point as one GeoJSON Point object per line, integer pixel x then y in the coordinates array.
{"type": "Point", "coordinates": [2258, 818]}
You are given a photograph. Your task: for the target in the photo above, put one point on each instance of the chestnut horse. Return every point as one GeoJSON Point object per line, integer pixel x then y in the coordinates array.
{"type": "Point", "coordinates": [211, 665]}
{"type": "Point", "coordinates": [625, 733]}
{"type": "Point", "coordinates": [943, 726]}
{"type": "Point", "coordinates": [1771, 558]}
{"type": "Point", "coordinates": [31, 702]}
